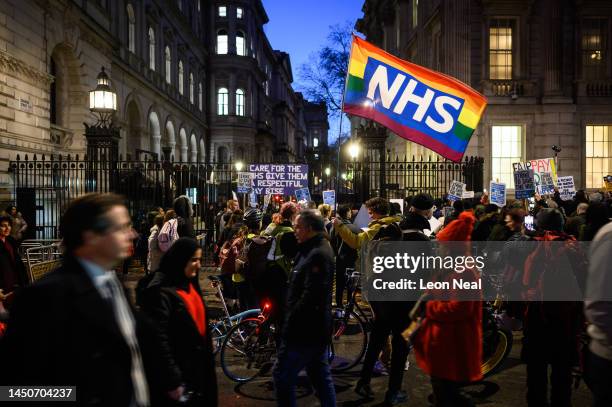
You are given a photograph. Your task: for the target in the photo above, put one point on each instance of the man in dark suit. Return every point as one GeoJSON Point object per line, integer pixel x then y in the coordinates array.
{"type": "Point", "coordinates": [13, 274]}
{"type": "Point", "coordinates": [74, 327]}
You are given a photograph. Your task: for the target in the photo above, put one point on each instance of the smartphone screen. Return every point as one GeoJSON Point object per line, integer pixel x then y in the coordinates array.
{"type": "Point", "coordinates": [529, 223]}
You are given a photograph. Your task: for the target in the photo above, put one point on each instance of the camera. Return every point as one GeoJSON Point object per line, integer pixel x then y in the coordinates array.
{"type": "Point", "coordinates": [556, 149]}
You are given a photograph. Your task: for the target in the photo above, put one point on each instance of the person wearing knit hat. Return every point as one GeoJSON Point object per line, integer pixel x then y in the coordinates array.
{"type": "Point", "coordinates": [448, 345]}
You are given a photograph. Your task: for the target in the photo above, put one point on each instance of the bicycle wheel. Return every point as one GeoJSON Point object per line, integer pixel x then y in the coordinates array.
{"type": "Point", "coordinates": [496, 347]}
{"type": "Point", "coordinates": [248, 347]}
{"type": "Point", "coordinates": [349, 340]}
{"type": "Point", "coordinates": [217, 331]}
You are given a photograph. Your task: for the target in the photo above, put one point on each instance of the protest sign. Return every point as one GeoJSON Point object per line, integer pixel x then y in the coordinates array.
{"type": "Point", "coordinates": [447, 211]}
{"type": "Point", "coordinates": [362, 219]}
{"type": "Point", "coordinates": [302, 195]}
{"type": "Point", "coordinates": [329, 198]}
{"type": "Point", "coordinates": [253, 200]}
{"type": "Point", "coordinates": [546, 185]}
{"type": "Point", "coordinates": [455, 192]}
{"type": "Point", "coordinates": [267, 199]}
{"type": "Point", "coordinates": [234, 196]}
{"type": "Point", "coordinates": [543, 170]}
{"type": "Point", "coordinates": [497, 194]}
{"type": "Point", "coordinates": [566, 186]}
{"type": "Point", "coordinates": [467, 194]}
{"type": "Point", "coordinates": [244, 182]}
{"type": "Point", "coordinates": [281, 179]}
{"type": "Point", "coordinates": [400, 202]}
{"type": "Point", "coordinates": [608, 183]}
{"type": "Point", "coordinates": [524, 186]}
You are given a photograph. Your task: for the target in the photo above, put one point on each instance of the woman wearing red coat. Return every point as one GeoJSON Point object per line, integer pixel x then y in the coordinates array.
{"type": "Point", "coordinates": [448, 345]}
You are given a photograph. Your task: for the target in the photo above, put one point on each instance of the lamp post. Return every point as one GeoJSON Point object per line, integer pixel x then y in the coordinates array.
{"type": "Point", "coordinates": [102, 137]}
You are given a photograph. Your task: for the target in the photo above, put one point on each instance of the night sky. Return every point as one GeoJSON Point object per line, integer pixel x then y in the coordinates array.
{"type": "Point", "coordinates": [301, 27]}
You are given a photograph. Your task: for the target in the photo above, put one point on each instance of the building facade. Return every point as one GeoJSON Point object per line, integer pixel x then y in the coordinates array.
{"type": "Point", "coordinates": [544, 65]}
{"type": "Point", "coordinates": [196, 80]}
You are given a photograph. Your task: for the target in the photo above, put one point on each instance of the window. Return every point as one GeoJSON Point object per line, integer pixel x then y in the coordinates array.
{"type": "Point", "coordinates": [180, 78]}
{"type": "Point", "coordinates": [598, 154]}
{"type": "Point", "coordinates": [506, 149]}
{"type": "Point", "coordinates": [168, 58]}
{"type": "Point", "coordinates": [200, 96]}
{"type": "Point", "coordinates": [500, 49]}
{"type": "Point", "coordinates": [191, 99]}
{"type": "Point", "coordinates": [53, 93]}
{"type": "Point", "coordinates": [151, 49]}
{"type": "Point", "coordinates": [131, 28]}
{"type": "Point", "coordinates": [315, 142]}
{"type": "Point", "coordinates": [415, 13]}
{"type": "Point", "coordinates": [239, 12]}
{"type": "Point", "coordinates": [240, 44]}
{"type": "Point", "coordinates": [222, 101]}
{"type": "Point", "coordinates": [239, 102]}
{"type": "Point", "coordinates": [222, 42]}
{"type": "Point", "coordinates": [222, 11]}
{"type": "Point", "coordinates": [594, 48]}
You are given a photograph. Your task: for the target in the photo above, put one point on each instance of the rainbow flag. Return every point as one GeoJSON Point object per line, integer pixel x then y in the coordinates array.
{"type": "Point", "coordinates": [418, 104]}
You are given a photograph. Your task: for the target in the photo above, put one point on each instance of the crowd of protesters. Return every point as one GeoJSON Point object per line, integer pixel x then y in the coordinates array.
{"type": "Point", "coordinates": [77, 326]}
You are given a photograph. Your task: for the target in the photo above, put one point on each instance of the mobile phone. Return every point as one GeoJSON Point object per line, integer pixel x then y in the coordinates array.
{"type": "Point", "coordinates": [529, 223]}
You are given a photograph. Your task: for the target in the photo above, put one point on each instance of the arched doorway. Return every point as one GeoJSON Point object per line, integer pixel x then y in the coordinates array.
{"type": "Point", "coordinates": [202, 150]}
{"type": "Point", "coordinates": [155, 132]}
{"type": "Point", "coordinates": [193, 148]}
{"type": "Point", "coordinates": [169, 142]}
{"type": "Point", "coordinates": [183, 147]}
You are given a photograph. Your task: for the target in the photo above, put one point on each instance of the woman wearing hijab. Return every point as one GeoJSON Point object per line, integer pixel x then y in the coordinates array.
{"type": "Point", "coordinates": [184, 368]}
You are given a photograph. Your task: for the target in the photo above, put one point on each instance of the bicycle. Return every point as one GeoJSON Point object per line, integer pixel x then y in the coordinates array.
{"type": "Point", "coordinates": [350, 328]}
{"type": "Point", "coordinates": [249, 348]}
{"type": "Point", "coordinates": [221, 327]}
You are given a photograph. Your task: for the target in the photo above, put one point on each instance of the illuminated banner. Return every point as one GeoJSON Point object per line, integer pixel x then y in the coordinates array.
{"type": "Point", "coordinates": [281, 179]}
{"type": "Point", "coordinates": [418, 104]}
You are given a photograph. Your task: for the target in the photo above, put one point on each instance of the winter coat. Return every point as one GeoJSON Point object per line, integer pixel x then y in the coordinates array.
{"type": "Point", "coordinates": [155, 252]}
{"type": "Point", "coordinates": [448, 344]}
{"type": "Point", "coordinates": [12, 268]}
{"type": "Point", "coordinates": [184, 214]}
{"type": "Point", "coordinates": [356, 240]}
{"type": "Point", "coordinates": [308, 311]}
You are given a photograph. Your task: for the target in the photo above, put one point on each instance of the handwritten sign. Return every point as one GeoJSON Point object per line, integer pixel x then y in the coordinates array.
{"type": "Point", "coordinates": [524, 186]}
{"type": "Point", "coordinates": [281, 179]}
{"type": "Point", "coordinates": [302, 195]}
{"type": "Point", "coordinates": [567, 188]}
{"type": "Point", "coordinates": [467, 194]}
{"type": "Point", "coordinates": [543, 170]}
{"type": "Point", "coordinates": [455, 192]}
{"type": "Point", "coordinates": [244, 182]}
{"type": "Point", "coordinates": [329, 198]}
{"type": "Point", "coordinates": [546, 185]}
{"type": "Point", "coordinates": [497, 193]}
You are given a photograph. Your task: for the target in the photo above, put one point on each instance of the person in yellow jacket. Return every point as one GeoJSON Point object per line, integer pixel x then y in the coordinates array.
{"type": "Point", "coordinates": [378, 209]}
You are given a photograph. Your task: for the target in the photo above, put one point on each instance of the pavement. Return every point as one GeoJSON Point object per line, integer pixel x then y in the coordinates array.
{"type": "Point", "coordinates": [506, 388]}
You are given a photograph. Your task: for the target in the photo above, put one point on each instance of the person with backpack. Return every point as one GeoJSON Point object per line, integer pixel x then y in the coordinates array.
{"type": "Point", "coordinates": [551, 328]}
{"type": "Point", "coordinates": [346, 256]}
{"type": "Point", "coordinates": [393, 317]}
{"type": "Point", "coordinates": [168, 233]}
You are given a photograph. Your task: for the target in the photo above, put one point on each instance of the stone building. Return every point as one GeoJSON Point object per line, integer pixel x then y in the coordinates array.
{"type": "Point", "coordinates": [196, 80]}
{"type": "Point", "coordinates": [544, 65]}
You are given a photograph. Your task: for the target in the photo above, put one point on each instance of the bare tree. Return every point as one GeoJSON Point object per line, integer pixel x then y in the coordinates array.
{"type": "Point", "coordinates": [323, 76]}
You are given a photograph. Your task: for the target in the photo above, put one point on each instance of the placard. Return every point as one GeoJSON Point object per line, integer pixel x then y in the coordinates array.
{"type": "Point", "coordinates": [567, 188]}
{"type": "Point", "coordinates": [253, 200]}
{"type": "Point", "coordinates": [543, 169]}
{"type": "Point", "coordinates": [244, 182]}
{"type": "Point", "coordinates": [267, 199]}
{"type": "Point", "coordinates": [455, 191]}
{"type": "Point", "coordinates": [467, 194]}
{"type": "Point", "coordinates": [546, 185]}
{"type": "Point", "coordinates": [329, 198]}
{"type": "Point", "coordinates": [302, 195]}
{"type": "Point", "coordinates": [281, 179]}
{"type": "Point", "coordinates": [497, 193]}
{"type": "Point", "coordinates": [524, 186]}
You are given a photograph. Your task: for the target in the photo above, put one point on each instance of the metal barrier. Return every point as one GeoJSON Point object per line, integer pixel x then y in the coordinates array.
{"type": "Point", "coordinates": [41, 260]}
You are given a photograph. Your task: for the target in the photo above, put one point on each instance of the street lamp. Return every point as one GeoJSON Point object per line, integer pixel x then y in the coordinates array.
{"type": "Point", "coordinates": [102, 100]}
{"type": "Point", "coordinates": [353, 150]}
{"type": "Point", "coordinates": [327, 171]}
{"type": "Point", "coordinates": [239, 166]}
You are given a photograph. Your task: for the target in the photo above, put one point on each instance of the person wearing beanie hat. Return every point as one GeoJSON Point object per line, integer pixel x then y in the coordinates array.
{"type": "Point", "coordinates": [417, 219]}
{"type": "Point", "coordinates": [448, 345]}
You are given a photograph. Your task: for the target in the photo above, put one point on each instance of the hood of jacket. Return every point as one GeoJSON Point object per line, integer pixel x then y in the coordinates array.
{"type": "Point", "coordinates": [182, 207]}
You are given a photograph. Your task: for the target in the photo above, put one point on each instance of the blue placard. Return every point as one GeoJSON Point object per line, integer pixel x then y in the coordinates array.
{"type": "Point", "coordinates": [329, 198]}
{"type": "Point", "coordinates": [524, 185]}
{"type": "Point", "coordinates": [498, 194]}
{"type": "Point", "coordinates": [302, 194]}
{"type": "Point", "coordinates": [278, 179]}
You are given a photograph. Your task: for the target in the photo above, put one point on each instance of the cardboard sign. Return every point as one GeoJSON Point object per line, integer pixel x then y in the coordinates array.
{"type": "Point", "coordinates": [497, 194]}
{"type": "Point", "coordinates": [546, 185]}
{"type": "Point", "coordinates": [281, 179]}
{"type": "Point", "coordinates": [455, 192]}
{"type": "Point", "coordinates": [302, 195]}
{"type": "Point", "coordinates": [524, 186]}
{"type": "Point", "coordinates": [244, 182]}
{"type": "Point", "coordinates": [567, 188]}
{"type": "Point", "coordinates": [543, 169]}
{"type": "Point", "coordinates": [362, 219]}
{"type": "Point", "coordinates": [467, 194]}
{"type": "Point", "coordinates": [329, 198]}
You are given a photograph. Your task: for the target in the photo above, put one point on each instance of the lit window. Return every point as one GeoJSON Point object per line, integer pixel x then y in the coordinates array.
{"type": "Point", "coordinates": [593, 48]}
{"type": "Point", "coordinates": [315, 142]}
{"type": "Point", "coordinates": [598, 154]}
{"type": "Point", "coordinates": [191, 98]}
{"type": "Point", "coordinates": [131, 28]}
{"type": "Point", "coordinates": [240, 44]}
{"type": "Point", "coordinates": [506, 149]}
{"type": "Point", "coordinates": [500, 49]}
{"type": "Point", "coordinates": [200, 96]}
{"type": "Point", "coordinates": [168, 58]}
{"type": "Point", "coordinates": [222, 101]}
{"type": "Point", "coordinates": [222, 42]}
{"type": "Point", "coordinates": [222, 11]}
{"type": "Point", "coordinates": [151, 49]}
{"type": "Point", "coordinates": [239, 12]}
{"type": "Point", "coordinates": [180, 77]}
{"type": "Point", "coordinates": [239, 102]}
